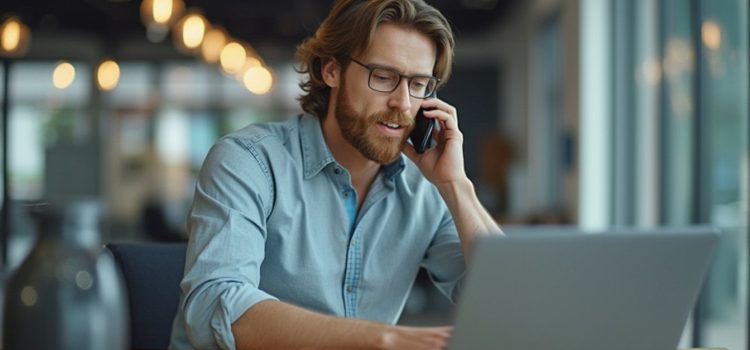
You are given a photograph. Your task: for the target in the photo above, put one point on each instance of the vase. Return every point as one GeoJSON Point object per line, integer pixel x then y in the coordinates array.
{"type": "Point", "coordinates": [68, 293]}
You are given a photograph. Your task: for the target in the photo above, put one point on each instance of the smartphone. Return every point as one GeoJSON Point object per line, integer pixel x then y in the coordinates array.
{"type": "Point", "coordinates": [421, 136]}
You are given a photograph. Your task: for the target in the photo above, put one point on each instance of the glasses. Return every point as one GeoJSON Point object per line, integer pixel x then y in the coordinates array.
{"type": "Point", "coordinates": [383, 79]}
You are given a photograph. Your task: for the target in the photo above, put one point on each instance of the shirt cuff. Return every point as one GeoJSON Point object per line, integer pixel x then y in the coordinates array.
{"type": "Point", "coordinates": [228, 306]}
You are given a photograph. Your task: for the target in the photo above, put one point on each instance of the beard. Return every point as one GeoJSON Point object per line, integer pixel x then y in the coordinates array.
{"type": "Point", "coordinates": [361, 131]}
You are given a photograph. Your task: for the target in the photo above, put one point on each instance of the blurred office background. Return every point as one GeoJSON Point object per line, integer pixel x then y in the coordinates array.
{"type": "Point", "coordinates": [591, 113]}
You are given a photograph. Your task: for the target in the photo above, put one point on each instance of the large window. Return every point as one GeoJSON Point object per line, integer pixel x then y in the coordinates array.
{"type": "Point", "coordinates": [723, 94]}
{"type": "Point", "coordinates": [163, 120]}
{"type": "Point", "coordinates": [137, 147]}
{"type": "Point", "coordinates": [677, 75]}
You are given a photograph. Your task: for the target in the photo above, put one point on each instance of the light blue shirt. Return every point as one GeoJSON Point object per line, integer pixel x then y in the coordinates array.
{"type": "Point", "coordinates": [274, 217]}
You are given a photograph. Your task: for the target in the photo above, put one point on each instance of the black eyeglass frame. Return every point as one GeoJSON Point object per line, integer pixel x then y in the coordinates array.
{"type": "Point", "coordinates": [371, 68]}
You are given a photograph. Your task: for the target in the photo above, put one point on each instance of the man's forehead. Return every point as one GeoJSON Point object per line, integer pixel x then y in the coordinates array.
{"type": "Point", "coordinates": [401, 48]}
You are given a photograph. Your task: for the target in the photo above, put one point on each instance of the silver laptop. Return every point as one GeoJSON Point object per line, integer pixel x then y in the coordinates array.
{"type": "Point", "coordinates": [614, 291]}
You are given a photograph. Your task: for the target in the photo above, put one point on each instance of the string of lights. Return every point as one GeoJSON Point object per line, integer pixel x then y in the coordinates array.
{"type": "Point", "coordinates": [191, 32]}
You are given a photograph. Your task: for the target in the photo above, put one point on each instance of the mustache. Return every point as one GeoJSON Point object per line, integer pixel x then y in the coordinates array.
{"type": "Point", "coordinates": [400, 118]}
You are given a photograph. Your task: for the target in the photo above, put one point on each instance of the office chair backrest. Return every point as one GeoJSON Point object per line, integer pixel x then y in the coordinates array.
{"type": "Point", "coordinates": [152, 272]}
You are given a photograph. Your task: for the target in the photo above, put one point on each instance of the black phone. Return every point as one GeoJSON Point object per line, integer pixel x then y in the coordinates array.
{"type": "Point", "coordinates": [421, 136]}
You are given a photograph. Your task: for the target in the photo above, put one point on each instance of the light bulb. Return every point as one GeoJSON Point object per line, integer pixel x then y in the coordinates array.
{"type": "Point", "coordinates": [232, 57]}
{"type": "Point", "coordinates": [63, 75]}
{"type": "Point", "coordinates": [161, 13]}
{"type": "Point", "coordinates": [190, 31]}
{"type": "Point", "coordinates": [711, 33]}
{"type": "Point", "coordinates": [258, 80]}
{"type": "Point", "coordinates": [14, 37]}
{"type": "Point", "coordinates": [108, 75]}
{"type": "Point", "coordinates": [213, 43]}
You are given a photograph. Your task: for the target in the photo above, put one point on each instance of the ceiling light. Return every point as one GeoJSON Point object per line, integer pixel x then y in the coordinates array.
{"type": "Point", "coordinates": [190, 31]}
{"type": "Point", "coordinates": [108, 75]}
{"type": "Point", "coordinates": [258, 80]}
{"type": "Point", "coordinates": [711, 34]}
{"type": "Point", "coordinates": [63, 75]}
{"type": "Point", "coordinates": [232, 57]}
{"type": "Point", "coordinates": [213, 42]}
{"type": "Point", "coordinates": [14, 37]}
{"type": "Point", "coordinates": [161, 13]}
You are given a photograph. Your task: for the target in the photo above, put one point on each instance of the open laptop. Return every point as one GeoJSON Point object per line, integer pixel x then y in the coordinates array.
{"type": "Point", "coordinates": [614, 291]}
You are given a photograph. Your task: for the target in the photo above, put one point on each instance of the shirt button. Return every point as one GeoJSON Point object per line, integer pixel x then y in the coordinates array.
{"type": "Point", "coordinates": [346, 194]}
{"type": "Point", "coordinates": [337, 171]}
{"type": "Point", "coordinates": [349, 289]}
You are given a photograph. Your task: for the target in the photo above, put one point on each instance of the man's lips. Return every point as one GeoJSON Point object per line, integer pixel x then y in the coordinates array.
{"type": "Point", "coordinates": [391, 129]}
{"type": "Point", "coordinates": [390, 125]}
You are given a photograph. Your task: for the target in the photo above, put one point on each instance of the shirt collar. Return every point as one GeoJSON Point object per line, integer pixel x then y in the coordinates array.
{"type": "Point", "coordinates": [316, 155]}
{"type": "Point", "coordinates": [315, 152]}
{"type": "Point", "coordinates": [393, 169]}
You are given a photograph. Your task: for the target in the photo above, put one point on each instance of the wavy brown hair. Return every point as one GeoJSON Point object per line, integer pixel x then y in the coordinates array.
{"type": "Point", "coordinates": [348, 31]}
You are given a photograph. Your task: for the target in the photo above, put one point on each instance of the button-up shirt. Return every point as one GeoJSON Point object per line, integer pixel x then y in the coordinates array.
{"type": "Point", "coordinates": [275, 217]}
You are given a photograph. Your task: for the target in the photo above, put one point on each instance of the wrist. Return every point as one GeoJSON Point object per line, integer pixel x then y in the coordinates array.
{"type": "Point", "coordinates": [451, 188]}
{"type": "Point", "coordinates": [385, 338]}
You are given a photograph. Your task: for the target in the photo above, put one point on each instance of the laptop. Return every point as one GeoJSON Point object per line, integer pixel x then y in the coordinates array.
{"type": "Point", "coordinates": [620, 290]}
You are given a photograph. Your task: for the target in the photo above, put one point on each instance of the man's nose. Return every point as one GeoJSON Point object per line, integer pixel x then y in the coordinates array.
{"type": "Point", "coordinates": [400, 98]}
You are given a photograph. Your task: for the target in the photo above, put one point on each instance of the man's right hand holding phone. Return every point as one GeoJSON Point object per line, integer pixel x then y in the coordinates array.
{"type": "Point", "coordinates": [443, 163]}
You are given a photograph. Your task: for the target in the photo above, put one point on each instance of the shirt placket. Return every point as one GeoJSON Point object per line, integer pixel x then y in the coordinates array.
{"type": "Point", "coordinates": [353, 265]}
{"type": "Point", "coordinates": [352, 276]}
{"type": "Point", "coordinates": [355, 259]}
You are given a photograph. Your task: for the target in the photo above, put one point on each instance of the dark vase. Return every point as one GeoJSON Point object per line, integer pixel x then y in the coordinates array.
{"type": "Point", "coordinates": [68, 292]}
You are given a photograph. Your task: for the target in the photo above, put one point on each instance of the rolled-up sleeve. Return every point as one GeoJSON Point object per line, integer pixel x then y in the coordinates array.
{"type": "Point", "coordinates": [444, 260]}
{"type": "Point", "coordinates": [227, 230]}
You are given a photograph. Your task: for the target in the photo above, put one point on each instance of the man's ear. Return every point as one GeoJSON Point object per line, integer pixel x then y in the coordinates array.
{"type": "Point", "coordinates": [331, 72]}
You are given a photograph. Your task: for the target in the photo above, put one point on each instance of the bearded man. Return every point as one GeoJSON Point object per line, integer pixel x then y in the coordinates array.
{"type": "Point", "coordinates": [309, 233]}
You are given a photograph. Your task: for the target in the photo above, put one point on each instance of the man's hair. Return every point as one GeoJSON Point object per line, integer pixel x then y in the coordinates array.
{"type": "Point", "coordinates": [348, 31]}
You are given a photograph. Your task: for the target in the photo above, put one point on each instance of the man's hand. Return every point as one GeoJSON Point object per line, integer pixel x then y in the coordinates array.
{"type": "Point", "coordinates": [272, 324]}
{"type": "Point", "coordinates": [443, 163]}
{"type": "Point", "coordinates": [416, 338]}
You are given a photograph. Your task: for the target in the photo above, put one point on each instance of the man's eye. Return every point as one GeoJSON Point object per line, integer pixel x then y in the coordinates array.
{"type": "Point", "coordinates": [383, 77]}
{"type": "Point", "coordinates": [420, 83]}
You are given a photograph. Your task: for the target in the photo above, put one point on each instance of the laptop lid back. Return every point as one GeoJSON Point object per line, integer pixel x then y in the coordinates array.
{"type": "Point", "coordinates": [626, 290]}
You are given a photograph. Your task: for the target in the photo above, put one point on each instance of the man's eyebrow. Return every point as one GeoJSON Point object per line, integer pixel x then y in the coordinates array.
{"type": "Point", "coordinates": [383, 66]}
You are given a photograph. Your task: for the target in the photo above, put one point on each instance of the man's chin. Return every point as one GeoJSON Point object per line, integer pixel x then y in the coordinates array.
{"type": "Point", "coordinates": [382, 156]}
{"type": "Point", "coordinates": [392, 159]}
{"type": "Point", "coordinates": [393, 155]}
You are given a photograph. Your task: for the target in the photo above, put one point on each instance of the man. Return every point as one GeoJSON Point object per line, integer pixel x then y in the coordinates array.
{"type": "Point", "coordinates": [309, 233]}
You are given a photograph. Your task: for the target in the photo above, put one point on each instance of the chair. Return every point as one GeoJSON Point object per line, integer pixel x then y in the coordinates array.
{"type": "Point", "coordinates": [152, 273]}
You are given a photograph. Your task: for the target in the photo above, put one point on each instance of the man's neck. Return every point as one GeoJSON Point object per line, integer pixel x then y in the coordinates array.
{"type": "Point", "coordinates": [361, 169]}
